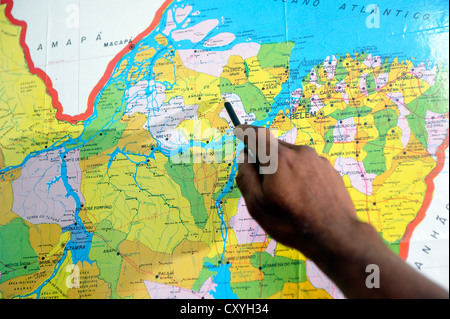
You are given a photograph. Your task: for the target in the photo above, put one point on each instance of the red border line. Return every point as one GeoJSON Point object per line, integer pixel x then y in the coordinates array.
{"type": "Point", "coordinates": [429, 180]}
{"type": "Point", "coordinates": [48, 82]}
{"type": "Point", "coordinates": [73, 119]}
{"type": "Point", "coordinates": [404, 244]}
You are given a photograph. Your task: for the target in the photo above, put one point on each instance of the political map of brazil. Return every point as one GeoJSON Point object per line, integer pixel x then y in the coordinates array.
{"type": "Point", "coordinates": [136, 197]}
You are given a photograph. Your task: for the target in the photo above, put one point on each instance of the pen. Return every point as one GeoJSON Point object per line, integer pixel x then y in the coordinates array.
{"type": "Point", "coordinates": [232, 114]}
{"type": "Point", "coordinates": [236, 122]}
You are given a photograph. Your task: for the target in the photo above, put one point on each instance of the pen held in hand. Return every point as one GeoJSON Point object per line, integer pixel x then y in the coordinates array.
{"type": "Point", "coordinates": [236, 122]}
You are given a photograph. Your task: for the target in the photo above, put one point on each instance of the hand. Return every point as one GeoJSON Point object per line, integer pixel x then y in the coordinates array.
{"type": "Point", "coordinates": [304, 204]}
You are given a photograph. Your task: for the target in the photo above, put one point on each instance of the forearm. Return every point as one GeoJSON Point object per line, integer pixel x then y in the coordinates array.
{"type": "Point", "coordinates": [346, 263]}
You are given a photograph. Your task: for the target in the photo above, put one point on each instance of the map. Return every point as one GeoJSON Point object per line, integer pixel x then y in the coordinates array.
{"type": "Point", "coordinates": [118, 160]}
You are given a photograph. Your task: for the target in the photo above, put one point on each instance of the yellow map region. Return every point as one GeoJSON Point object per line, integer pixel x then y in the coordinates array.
{"type": "Point", "coordinates": [399, 190]}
